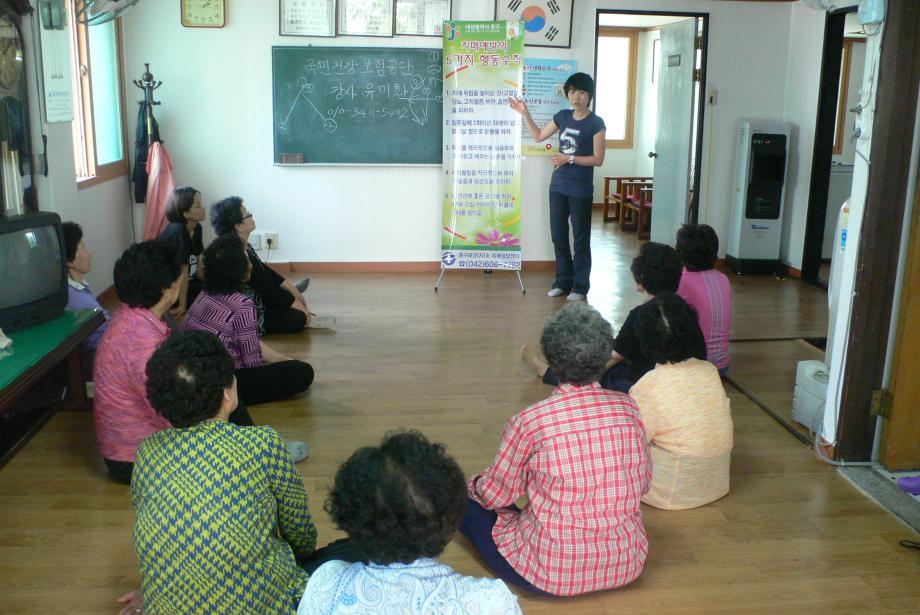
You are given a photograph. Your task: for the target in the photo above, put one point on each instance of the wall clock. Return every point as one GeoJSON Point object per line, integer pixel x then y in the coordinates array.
{"type": "Point", "coordinates": [203, 13]}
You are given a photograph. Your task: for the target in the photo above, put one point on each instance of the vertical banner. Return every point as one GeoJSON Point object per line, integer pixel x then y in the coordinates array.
{"type": "Point", "coordinates": [481, 213]}
{"type": "Point", "coordinates": [543, 81]}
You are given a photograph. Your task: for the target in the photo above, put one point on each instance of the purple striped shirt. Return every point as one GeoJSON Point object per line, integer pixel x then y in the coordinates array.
{"type": "Point", "coordinates": [233, 319]}
{"type": "Point", "coordinates": [710, 294]}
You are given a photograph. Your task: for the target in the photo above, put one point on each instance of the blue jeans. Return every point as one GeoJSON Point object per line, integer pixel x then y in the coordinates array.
{"type": "Point", "coordinates": [571, 274]}
{"type": "Point", "coordinates": [477, 524]}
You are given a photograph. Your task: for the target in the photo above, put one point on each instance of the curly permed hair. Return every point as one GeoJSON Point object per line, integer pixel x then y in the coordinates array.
{"type": "Point", "coordinates": [400, 501]}
{"type": "Point", "coordinates": [657, 268]}
{"type": "Point", "coordinates": [143, 272]}
{"type": "Point", "coordinates": [226, 214]}
{"type": "Point", "coordinates": [180, 201]}
{"type": "Point", "coordinates": [671, 333]}
{"type": "Point", "coordinates": [577, 343]}
{"type": "Point", "coordinates": [187, 376]}
{"type": "Point", "coordinates": [697, 246]}
{"type": "Point", "coordinates": [226, 265]}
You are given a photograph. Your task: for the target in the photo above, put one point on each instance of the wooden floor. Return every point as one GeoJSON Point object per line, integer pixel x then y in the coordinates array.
{"type": "Point", "coordinates": [791, 537]}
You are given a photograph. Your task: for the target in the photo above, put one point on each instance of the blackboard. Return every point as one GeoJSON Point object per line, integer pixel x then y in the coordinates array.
{"type": "Point", "coordinates": [357, 105]}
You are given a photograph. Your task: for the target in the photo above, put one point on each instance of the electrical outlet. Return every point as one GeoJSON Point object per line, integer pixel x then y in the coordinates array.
{"type": "Point", "coordinates": [271, 240]}
{"type": "Point", "coordinates": [255, 240]}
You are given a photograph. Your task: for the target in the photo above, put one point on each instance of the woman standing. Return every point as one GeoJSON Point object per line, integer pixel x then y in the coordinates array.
{"type": "Point", "coordinates": [183, 235]}
{"type": "Point", "coordinates": [571, 190]}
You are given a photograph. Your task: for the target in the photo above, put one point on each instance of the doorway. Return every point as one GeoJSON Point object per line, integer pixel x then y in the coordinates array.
{"type": "Point", "coordinates": [842, 67]}
{"type": "Point", "coordinates": [649, 67]}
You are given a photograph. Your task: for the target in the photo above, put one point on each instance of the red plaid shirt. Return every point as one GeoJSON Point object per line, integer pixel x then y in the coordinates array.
{"type": "Point", "coordinates": [582, 459]}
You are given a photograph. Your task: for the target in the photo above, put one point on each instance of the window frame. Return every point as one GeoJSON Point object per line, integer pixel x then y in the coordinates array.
{"type": "Point", "coordinates": [83, 125]}
{"type": "Point", "coordinates": [842, 91]}
{"type": "Point", "coordinates": [633, 35]}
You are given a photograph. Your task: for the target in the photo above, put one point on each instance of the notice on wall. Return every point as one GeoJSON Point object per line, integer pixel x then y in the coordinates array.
{"type": "Point", "coordinates": [543, 93]}
{"type": "Point", "coordinates": [481, 212]}
{"type": "Point", "coordinates": [56, 75]}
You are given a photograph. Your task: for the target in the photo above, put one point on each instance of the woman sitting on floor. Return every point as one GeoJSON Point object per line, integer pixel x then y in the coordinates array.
{"type": "Point", "coordinates": [147, 281]}
{"type": "Point", "coordinates": [581, 458]}
{"type": "Point", "coordinates": [401, 503]}
{"type": "Point", "coordinates": [263, 374]}
{"type": "Point", "coordinates": [222, 520]}
{"type": "Point", "coordinates": [686, 413]}
{"type": "Point", "coordinates": [183, 236]}
{"type": "Point", "coordinates": [79, 295]}
{"type": "Point", "coordinates": [282, 307]}
{"type": "Point", "coordinates": [706, 289]}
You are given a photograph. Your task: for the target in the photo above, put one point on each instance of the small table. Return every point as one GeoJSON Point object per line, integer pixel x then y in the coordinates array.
{"type": "Point", "coordinates": [39, 349]}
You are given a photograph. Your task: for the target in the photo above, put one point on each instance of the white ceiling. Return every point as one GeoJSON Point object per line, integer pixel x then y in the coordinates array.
{"type": "Point", "coordinates": [637, 21]}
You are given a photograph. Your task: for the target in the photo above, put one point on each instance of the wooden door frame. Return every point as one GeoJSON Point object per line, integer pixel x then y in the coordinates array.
{"type": "Point", "coordinates": [693, 209]}
{"type": "Point", "coordinates": [880, 233]}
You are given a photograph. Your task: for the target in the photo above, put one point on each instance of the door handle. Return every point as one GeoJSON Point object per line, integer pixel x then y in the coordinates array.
{"type": "Point", "coordinates": [653, 154]}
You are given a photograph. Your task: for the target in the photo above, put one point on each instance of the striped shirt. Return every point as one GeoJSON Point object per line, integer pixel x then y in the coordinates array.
{"type": "Point", "coordinates": [710, 294]}
{"type": "Point", "coordinates": [581, 458]}
{"type": "Point", "coordinates": [233, 319]}
{"type": "Point", "coordinates": [122, 413]}
{"type": "Point", "coordinates": [688, 421]}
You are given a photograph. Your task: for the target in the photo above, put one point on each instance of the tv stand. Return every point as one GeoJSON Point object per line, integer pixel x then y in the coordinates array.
{"type": "Point", "coordinates": [38, 350]}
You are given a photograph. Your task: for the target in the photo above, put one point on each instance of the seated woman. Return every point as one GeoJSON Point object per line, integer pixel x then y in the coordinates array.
{"type": "Point", "coordinates": [686, 413]}
{"type": "Point", "coordinates": [221, 511]}
{"type": "Point", "coordinates": [706, 289]}
{"type": "Point", "coordinates": [147, 281]}
{"type": "Point", "coordinates": [262, 374]}
{"type": "Point", "coordinates": [282, 307]}
{"type": "Point", "coordinates": [580, 457]}
{"type": "Point", "coordinates": [401, 503]}
{"type": "Point", "coordinates": [79, 295]}
{"type": "Point", "coordinates": [185, 212]}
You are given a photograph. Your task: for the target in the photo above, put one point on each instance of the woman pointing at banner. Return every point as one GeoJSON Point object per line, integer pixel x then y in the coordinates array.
{"type": "Point", "coordinates": [571, 190]}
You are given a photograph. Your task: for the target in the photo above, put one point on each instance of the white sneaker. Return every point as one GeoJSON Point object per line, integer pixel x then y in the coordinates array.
{"type": "Point", "coordinates": [555, 292]}
{"type": "Point", "coordinates": [575, 297]}
{"type": "Point", "coordinates": [298, 450]}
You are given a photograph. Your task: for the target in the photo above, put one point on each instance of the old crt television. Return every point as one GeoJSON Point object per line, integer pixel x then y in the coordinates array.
{"type": "Point", "coordinates": [33, 287]}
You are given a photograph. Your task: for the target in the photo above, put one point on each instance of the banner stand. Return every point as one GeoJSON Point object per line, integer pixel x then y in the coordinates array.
{"type": "Point", "coordinates": [487, 272]}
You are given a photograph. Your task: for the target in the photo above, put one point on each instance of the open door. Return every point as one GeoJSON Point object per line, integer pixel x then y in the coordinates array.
{"type": "Point", "coordinates": [673, 141]}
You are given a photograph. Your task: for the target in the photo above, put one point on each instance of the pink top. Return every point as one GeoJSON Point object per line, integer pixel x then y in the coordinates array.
{"type": "Point", "coordinates": [159, 188]}
{"type": "Point", "coordinates": [123, 415]}
{"type": "Point", "coordinates": [581, 457]}
{"type": "Point", "coordinates": [710, 294]}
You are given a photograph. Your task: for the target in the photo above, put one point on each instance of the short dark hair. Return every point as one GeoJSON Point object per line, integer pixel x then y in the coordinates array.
{"type": "Point", "coordinates": [657, 268]}
{"type": "Point", "coordinates": [180, 201]}
{"type": "Point", "coordinates": [580, 81]}
{"type": "Point", "coordinates": [187, 376]}
{"type": "Point", "coordinates": [72, 236]}
{"type": "Point", "coordinates": [143, 272]}
{"type": "Point", "coordinates": [400, 501]}
{"type": "Point", "coordinates": [226, 214]}
{"type": "Point", "coordinates": [671, 332]}
{"type": "Point", "coordinates": [225, 265]}
{"type": "Point", "coordinates": [697, 246]}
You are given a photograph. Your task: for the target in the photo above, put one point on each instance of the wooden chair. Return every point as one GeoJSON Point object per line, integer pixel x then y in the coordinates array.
{"type": "Point", "coordinates": [630, 196]}
{"type": "Point", "coordinates": [644, 220]}
{"type": "Point", "coordinates": [621, 191]}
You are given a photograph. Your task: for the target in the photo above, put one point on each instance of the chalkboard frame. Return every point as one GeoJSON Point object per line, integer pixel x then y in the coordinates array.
{"type": "Point", "coordinates": [334, 48]}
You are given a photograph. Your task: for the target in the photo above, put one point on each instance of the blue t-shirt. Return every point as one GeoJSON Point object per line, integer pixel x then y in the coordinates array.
{"type": "Point", "coordinates": [575, 137]}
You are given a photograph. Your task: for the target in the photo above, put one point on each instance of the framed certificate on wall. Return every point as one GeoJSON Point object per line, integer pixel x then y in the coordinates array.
{"type": "Point", "coordinates": [365, 17]}
{"type": "Point", "coordinates": [547, 23]}
{"type": "Point", "coordinates": [421, 17]}
{"type": "Point", "coordinates": [307, 18]}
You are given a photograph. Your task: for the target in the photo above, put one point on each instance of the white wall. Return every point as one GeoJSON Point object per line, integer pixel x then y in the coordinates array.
{"type": "Point", "coordinates": [854, 77]}
{"type": "Point", "coordinates": [216, 122]}
{"type": "Point", "coordinates": [102, 210]}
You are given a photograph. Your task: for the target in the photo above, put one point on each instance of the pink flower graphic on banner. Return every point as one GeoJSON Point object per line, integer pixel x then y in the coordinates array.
{"type": "Point", "coordinates": [495, 238]}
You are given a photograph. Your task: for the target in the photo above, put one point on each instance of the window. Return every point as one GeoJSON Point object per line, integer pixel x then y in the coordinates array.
{"type": "Point", "coordinates": [98, 125]}
{"type": "Point", "coordinates": [844, 85]}
{"type": "Point", "coordinates": [617, 56]}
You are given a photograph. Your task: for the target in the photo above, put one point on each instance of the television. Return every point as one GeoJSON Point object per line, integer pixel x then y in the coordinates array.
{"type": "Point", "coordinates": [34, 266]}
